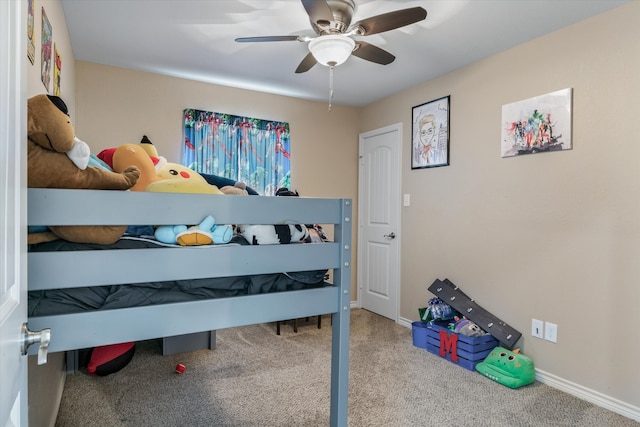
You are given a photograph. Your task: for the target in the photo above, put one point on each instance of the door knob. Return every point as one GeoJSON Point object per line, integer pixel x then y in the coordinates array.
{"type": "Point", "coordinates": [391, 235]}
{"type": "Point", "coordinates": [30, 337]}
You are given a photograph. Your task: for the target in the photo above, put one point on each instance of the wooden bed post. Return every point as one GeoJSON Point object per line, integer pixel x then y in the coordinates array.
{"type": "Point", "coordinates": [341, 319]}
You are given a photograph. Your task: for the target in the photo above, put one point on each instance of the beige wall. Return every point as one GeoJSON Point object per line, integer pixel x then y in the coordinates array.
{"type": "Point", "coordinates": [552, 236]}
{"type": "Point", "coordinates": [118, 106]}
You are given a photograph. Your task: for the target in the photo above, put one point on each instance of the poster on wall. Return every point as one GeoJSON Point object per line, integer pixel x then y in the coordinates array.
{"type": "Point", "coordinates": [57, 67]}
{"type": "Point", "coordinates": [31, 46]}
{"type": "Point", "coordinates": [45, 69]}
{"type": "Point", "coordinates": [537, 125]}
{"type": "Point", "coordinates": [430, 134]}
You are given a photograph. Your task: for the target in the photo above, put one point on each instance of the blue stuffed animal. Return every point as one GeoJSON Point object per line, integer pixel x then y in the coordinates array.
{"type": "Point", "coordinates": [205, 233]}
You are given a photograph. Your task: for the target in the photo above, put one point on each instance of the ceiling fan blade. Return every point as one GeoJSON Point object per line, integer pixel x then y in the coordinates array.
{"type": "Point", "coordinates": [389, 21]}
{"type": "Point", "coordinates": [268, 39]}
{"type": "Point", "coordinates": [318, 11]}
{"type": "Point", "coordinates": [306, 64]}
{"type": "Point", "coordinates": [373, 53]}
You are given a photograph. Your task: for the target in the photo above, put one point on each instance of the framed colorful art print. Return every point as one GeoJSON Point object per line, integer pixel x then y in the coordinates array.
{"type": "Point", "coordinates": [537, 125]}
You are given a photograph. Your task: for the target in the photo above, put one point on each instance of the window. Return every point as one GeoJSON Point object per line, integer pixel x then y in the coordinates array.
{"type": "Point", "coordinates": [253, 151]}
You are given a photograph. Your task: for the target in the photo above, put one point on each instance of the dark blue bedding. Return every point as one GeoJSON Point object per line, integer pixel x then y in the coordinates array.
{"type": "Point", "coordinates": [73, 300]}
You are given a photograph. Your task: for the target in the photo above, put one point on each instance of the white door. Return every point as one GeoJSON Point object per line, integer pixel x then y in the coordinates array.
{"type": "Point", "coordinates": [379, 220]}
{"type": "Point", "coordinates": [13, 281]}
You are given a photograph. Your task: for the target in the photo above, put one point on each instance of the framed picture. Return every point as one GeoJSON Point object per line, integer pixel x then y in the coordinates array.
{"type": "Point", "coordinates": [45, 69]}
{"type": "Point", "coordinates": [31, 47]}
{"type": "Point", "coordinates": [57, 68]}
{"type": "Point", "coordinates": [537, 125]}
{"type": "Point", "coordinates": [430, 134]}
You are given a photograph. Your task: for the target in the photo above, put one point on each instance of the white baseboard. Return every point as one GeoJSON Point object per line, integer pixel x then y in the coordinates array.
{"type": "Point", "coordinates": [589, 395]}
{"type": "Point", "coordinates": [581, 392]}
{"type": "Point", "coordinates": [404, 322]}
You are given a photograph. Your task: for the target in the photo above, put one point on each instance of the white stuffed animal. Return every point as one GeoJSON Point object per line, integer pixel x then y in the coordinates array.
{"type": "Point", "coordinates": [274, 234]}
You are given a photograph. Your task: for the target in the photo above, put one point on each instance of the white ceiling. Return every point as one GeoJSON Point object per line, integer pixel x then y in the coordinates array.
{"type": "Point", "coordinates": [194, 39]}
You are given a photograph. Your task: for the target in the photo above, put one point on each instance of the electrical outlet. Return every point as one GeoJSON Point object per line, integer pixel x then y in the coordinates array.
{"type": "Point", "coordinates": [550, 332]}
{"type": "Point", "coordinates": [537, 328]}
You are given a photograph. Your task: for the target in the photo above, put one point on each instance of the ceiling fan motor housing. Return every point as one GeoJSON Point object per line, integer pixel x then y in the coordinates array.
{"type": "Point", "coordinates": [343, 11]}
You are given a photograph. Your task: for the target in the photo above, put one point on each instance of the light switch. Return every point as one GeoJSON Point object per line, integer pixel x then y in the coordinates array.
{"type": "Point", "coordinates": [406, 200]}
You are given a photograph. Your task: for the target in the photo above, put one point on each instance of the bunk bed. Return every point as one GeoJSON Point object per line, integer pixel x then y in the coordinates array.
{"type": "Point", "coordinates": [112, 267]}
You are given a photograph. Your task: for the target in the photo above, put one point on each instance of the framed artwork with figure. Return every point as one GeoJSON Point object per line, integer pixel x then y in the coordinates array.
{"type": "Point", "coordinates": [430, 134]}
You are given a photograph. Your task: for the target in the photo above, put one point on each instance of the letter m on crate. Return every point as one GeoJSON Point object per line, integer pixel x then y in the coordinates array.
{"type": "Point", "coordinates": [460, 349]}
{"type": "Point", "coordinates": [449, 344]}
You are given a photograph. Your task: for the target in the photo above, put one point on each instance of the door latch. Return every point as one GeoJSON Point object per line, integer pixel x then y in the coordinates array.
{"type": "Point", "coordinates": [391, 236]}
{"type": "Point", "coordinates": [29, 337]}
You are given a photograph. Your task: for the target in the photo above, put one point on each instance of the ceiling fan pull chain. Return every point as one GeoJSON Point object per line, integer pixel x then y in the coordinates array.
{"type": "Point", "coordinates": [330, 85]}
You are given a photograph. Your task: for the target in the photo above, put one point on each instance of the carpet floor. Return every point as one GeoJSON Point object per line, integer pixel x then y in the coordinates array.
{"type": "Point", "coordinates": [256, 378]}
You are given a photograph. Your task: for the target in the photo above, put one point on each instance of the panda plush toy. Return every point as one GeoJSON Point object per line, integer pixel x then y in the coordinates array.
{"type": "Point", "coordinates": [274, 234]}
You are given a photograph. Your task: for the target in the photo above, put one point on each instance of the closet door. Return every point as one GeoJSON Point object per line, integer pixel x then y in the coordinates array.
{"type": "Point", "coordinates": [379, 220]}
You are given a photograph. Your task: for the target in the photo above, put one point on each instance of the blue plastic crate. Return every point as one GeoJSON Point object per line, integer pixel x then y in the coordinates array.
{"type": "Point", "coordinates": [459, 349]}
{"type": "Point", "coordinates": [419, 334]}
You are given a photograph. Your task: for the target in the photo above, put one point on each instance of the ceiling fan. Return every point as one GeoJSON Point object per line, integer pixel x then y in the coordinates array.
{"type": "Point", "coordinates": [331, 20]}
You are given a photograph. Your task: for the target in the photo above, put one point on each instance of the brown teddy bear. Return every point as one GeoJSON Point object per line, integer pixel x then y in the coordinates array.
{"type": "Point", "coordinates": [50, 137]}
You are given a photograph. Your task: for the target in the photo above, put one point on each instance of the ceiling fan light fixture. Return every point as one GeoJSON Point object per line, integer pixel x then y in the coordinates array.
{"type": "Point", "coordinates": [331, 50]}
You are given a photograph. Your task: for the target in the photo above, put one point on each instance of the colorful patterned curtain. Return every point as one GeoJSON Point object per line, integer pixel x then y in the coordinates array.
{"type": "Point", "coordinates": [252, 151]}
